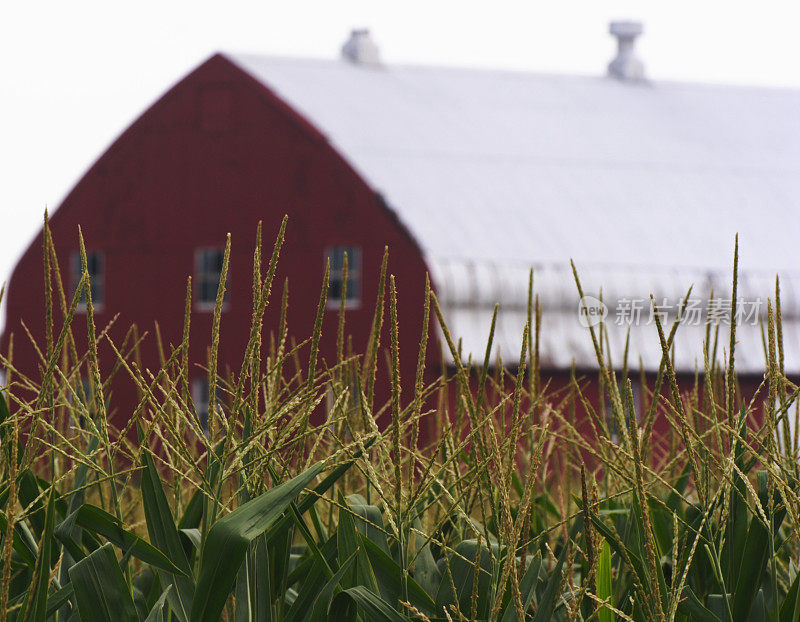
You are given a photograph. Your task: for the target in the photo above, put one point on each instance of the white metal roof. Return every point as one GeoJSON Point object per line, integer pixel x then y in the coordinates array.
{"type": "Point", "coordinates": [643, 185]}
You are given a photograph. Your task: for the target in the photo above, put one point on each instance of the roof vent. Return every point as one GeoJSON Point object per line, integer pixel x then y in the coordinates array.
{"type": "Point", "coordinates": [360, 49]}
{"type": "Point", "coordinates": [626, 66]}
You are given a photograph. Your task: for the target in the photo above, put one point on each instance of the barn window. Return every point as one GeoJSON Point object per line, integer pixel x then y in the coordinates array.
{"type": "Point", "coordinates": [82, 400]}
{"type": "Point", "coordinates": [336, 284]}
{"type": "Point", "coordinates": [200, 399]}
{"type": "Point", "coordinates": [208, 271]}
{"type": "Point", "coordinates": [95, 266]}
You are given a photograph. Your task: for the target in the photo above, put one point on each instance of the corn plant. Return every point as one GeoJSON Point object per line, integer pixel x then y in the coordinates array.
{"type": "Point", "coordinates": [296, 504]}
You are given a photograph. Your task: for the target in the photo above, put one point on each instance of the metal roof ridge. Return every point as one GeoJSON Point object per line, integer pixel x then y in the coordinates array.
{"type": "Point", "coordinates": [519, 71]}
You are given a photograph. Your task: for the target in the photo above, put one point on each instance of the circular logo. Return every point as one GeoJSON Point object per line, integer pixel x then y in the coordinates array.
{"type": "Point", "coordinates": [591, 311]}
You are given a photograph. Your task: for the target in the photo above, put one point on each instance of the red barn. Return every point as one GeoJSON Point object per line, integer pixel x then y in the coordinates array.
{"type": "Point", "coordinates": [473, 176]}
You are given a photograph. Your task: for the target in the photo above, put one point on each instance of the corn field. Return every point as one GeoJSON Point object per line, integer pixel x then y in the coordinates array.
{"type": "Point", "coordinates": [296, 505]}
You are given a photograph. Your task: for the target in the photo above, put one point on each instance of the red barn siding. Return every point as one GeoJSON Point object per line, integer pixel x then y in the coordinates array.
{"type": "Point", "coordinates": [216, 154]}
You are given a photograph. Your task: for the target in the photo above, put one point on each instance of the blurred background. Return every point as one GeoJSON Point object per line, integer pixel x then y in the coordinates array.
{"type": "Point", "coordinates": [75, 74]}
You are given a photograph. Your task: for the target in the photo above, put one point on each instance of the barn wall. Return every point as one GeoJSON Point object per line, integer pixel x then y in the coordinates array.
{"type": "Point", "coordinates": [216, 154]}
{"type": "Point", "coordinates": [557, 386]}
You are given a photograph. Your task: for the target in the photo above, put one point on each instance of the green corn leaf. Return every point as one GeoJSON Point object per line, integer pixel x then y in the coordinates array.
{"type": "Point", "coordinates": [100, 523]}
{"type": "Point", "coordinates": [754, 556]}
{"type": "Point", "coordinates": [159, 613]}
{"type": "Point", "coordinates": [751, 572]}
{"type": "Point", "coordinates": [165, 536]}
{"type": "Point", "coordinates": [641, 527]}
{"type": "Point", "coordinates": [193, 512]}
{"type": "Point", "coordinates": [193, 537]}
{"type": "Point", "coordinates": [58, 599]}
{"type": "Point", "coordinates": [241, 592]}
{"type": "Point", "coordinates": [527, 588]}
{"type": "Point", "coordinates": [388, 575]}
{"type": "Point", "coordinates": [790, 608]}
{"type": "Point", "coordinates": [319, 612]}
{"type": "Point", "coordinates": [661, 522]}
{"type": "Point", "coordinates": [716, 605]}
{"type": "Point", "coordinates": [605, 589]}
{"type": "Point", "coordinates": [462, 566]}
{"type": "Point", "coordinates": [253, 585]}
{"type": "Point", "coordinates": [368, 520]}
{"type": "Point", "coordinates": [675, 497]}
{"type": "Point", "coordinates": [545, 502]}
{"type": "Point", "coordinates": [161, 526]}
{"type": "Point", "coordinates": [759, 611]}
{"type": "Point", "coordinates": [373, 608]}
{"type": "Point", "coordinates": [279, 529]}
{"type": "Point", "coordinates": [549, 599]}
{"type": "Point", "coordinates": [312, 579]}
{"type": "Point", "coordinates": [76, 499]}
{"type": "Point", "coordinates": [100, 588]}
{"type": "Point", "coordinates": [69, 535]}
{"type": "Point", "coordinates": [693, 609]}
{"type": "Point", "coordinates": [229, 538]}
{"type": "Point", "coordinates": [426, 572]}
{"type": "Point", "coordinates": [619, 547]}
{"type": "Point", "coordinates": [306, 534]}
{"type": "Point", "coordinates": [23, 541]}
{"type": "Point", "coordinates": [35, 605]}
{"type": "Point", "coordinates": [737, 520]}
{"type": "Point", "coordinates": [348, 544]}
{"type": "Point", "coordinates": [28, 495]}
{"type": "Point", "coordinates": [146, 588]}
{"type": "Point", "coordinates": [261, 595]}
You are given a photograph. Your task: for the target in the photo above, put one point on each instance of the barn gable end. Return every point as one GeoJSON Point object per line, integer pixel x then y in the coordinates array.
{"type": "Point", "coordinates": [218, 153]}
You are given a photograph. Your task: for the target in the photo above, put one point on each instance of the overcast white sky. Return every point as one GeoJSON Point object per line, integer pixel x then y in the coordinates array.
{"type": "Point", "coordinates": [75, 74]}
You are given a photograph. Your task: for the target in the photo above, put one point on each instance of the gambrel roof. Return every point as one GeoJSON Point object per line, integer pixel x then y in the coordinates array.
{"type": "Point", "coordinates": [644, 185]}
